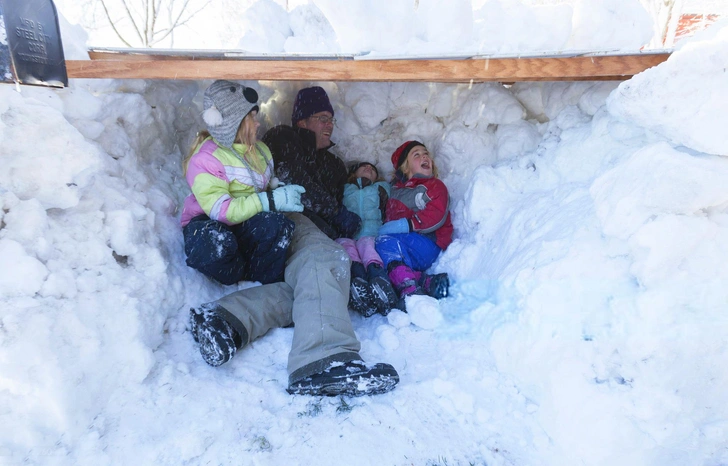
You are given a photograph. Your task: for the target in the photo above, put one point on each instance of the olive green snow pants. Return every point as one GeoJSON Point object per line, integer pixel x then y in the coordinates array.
{"type": "Point", "coordinates": [313, 297]}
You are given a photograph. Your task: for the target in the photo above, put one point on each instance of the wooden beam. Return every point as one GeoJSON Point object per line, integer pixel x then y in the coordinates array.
{"type": "Point", "coordinates": [608, 67]}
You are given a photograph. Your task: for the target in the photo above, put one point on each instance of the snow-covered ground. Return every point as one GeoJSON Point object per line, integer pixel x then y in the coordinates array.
{"type": "Point", "coordinates": [589, 318]}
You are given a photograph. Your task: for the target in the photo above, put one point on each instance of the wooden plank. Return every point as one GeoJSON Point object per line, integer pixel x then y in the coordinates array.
{"type": "Point", "coordinates": [612, 67]}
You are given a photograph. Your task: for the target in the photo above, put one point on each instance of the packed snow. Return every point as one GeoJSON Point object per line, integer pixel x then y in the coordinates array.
{"type": "Point", "coordinates": [404, 27]}
{"type": "Point", "coordinates": [588, 318]}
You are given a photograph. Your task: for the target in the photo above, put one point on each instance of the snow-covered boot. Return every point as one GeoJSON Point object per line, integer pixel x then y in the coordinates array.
{"type": "Point", "coordinates": [353, 378]}
{"type": "Point", "coordinates": [385, 298]}
{"type": "Point", "coordinates": [360, 295]}
{"type": "Point", "coordinates": [218, 339]}
{"type": "Point", "coordinates": [404, 279]}
{"type": "Point", "coordinates": [437, 286]}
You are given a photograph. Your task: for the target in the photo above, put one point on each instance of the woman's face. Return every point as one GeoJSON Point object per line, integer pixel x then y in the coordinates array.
{"type": "Point", "coordinates": [247, 133]}
{"type": "Point", "coordinates": [366, 171]}
{"type": "Point", "coordinates": [254, 120]}
{"type": "Point", "coordinates": [418, 162]}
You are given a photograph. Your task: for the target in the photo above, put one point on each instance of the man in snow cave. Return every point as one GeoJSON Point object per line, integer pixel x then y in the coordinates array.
{"type": "Point", "coordinates": [324, 357]}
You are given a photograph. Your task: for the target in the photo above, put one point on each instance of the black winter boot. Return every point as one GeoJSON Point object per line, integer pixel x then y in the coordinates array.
{"type": "Point", "coordinates": [360, 295]}
{"type": "Point", "coordinates": [218, 339]}
{"type": "Point", "coordinates": [353, 378]}
{"type": "Point", "coordinates": [383, 294]}
{"type": "Point", "coordinates": [437, 286]}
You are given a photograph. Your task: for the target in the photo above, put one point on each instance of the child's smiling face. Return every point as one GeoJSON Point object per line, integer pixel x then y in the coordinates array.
{"type": "Point", "coordinates": [367, 171]}
{"type": "Point", "coordinates": [418, 162]}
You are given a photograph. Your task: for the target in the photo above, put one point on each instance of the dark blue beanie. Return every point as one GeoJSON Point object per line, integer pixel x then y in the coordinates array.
{"type": "Point", "coordinates": [310, 100]}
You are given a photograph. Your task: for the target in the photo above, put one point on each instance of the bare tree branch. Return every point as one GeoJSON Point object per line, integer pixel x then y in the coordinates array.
{"type": "Point", "coordinates": [177, 22]}
{"type": "Point", "coordinates": [153, 19]}
{"type": "Point", "coordinates": [181, 11]}
{"type": "Point", "coordinates": [145, 20]}
{"type": "Point", "coordinates": [133, 22]}
{"type": "Point", "coordinates": [113, 25]}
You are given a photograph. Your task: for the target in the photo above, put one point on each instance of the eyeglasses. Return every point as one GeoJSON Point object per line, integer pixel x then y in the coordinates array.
{"type": "Point", "coordinates": [323, 119]}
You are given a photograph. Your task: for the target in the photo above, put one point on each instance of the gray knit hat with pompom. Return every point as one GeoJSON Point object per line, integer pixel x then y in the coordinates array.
{"type": "Point", "coordinates": [225, 105]}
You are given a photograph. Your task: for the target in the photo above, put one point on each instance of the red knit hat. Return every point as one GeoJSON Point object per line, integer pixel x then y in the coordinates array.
{"type": "Point", "coordinates": [400, 155]}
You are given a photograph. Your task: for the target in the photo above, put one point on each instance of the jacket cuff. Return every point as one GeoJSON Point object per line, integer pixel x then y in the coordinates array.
{"type": "Point", "coordinates": [266, 201]}
{"type": "Point", "coordinates": [271, 203]}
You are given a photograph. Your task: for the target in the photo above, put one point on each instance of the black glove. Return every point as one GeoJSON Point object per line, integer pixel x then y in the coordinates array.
{"type": "Point", "coordinates": [347, 223]}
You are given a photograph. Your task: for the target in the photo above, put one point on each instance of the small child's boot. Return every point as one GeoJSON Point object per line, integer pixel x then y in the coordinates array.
{"type": "Point", "coordinates": [360, 295]}
{"type": "Point", "coordinates": [437, 286]}
{"type": "Point", "coordinates": [383, 294]}
{"type": "Point", "coordinates": [404, 279]}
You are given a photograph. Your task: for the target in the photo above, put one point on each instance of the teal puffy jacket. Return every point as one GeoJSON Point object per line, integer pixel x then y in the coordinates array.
{"type": "Point", "coordinates": [363, 198]}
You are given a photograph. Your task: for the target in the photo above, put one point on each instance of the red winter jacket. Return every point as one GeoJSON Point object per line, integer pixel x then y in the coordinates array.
{"type": "Point", "coordinates": [425, 202]}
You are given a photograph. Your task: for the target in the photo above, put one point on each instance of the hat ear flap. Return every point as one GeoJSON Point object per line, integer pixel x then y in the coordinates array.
{"type": "Point", "coordinates": [212, 116]}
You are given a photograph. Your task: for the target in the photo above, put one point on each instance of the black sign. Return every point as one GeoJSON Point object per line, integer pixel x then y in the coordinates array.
{"type": "Point", "coordinates": [31, 51]}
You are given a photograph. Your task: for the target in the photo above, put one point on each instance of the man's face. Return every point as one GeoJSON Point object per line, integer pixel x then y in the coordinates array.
{"type": "Point", "coordinates": [322, 130]}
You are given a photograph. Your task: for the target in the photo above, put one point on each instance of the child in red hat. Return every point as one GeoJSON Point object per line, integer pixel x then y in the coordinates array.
{"type": "Point", "coordinates": [418, 226]}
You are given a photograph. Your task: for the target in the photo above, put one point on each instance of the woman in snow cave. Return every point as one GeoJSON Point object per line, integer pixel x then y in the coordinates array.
{"type": "Point", "coordinates": [231, 223]}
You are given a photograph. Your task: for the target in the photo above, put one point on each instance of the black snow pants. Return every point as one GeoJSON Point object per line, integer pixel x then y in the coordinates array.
{"type": "Point", "coordinates": [254, 250]}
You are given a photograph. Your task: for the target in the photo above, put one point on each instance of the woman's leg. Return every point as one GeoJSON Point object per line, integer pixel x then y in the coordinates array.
{"type": "Point", "coordinates": [212, 248]}
{"type": "Point", "coordinates": [263, 242]}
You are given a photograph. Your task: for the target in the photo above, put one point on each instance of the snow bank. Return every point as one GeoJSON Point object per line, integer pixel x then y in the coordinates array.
{"type": "Point", "coordinates": [85, 281]}
{"type": "Point", "coordinates": [433, 28]}
{"type": "Point", "coordinates": [682, 100]}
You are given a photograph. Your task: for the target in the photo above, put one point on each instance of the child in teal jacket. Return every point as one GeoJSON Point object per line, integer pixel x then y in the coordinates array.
{"type": "Point", "coordinates": [366, 194]}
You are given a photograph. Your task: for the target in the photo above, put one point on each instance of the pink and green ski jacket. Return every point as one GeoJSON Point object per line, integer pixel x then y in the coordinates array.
{"type": "Point", "coordinates": [223, 183]}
